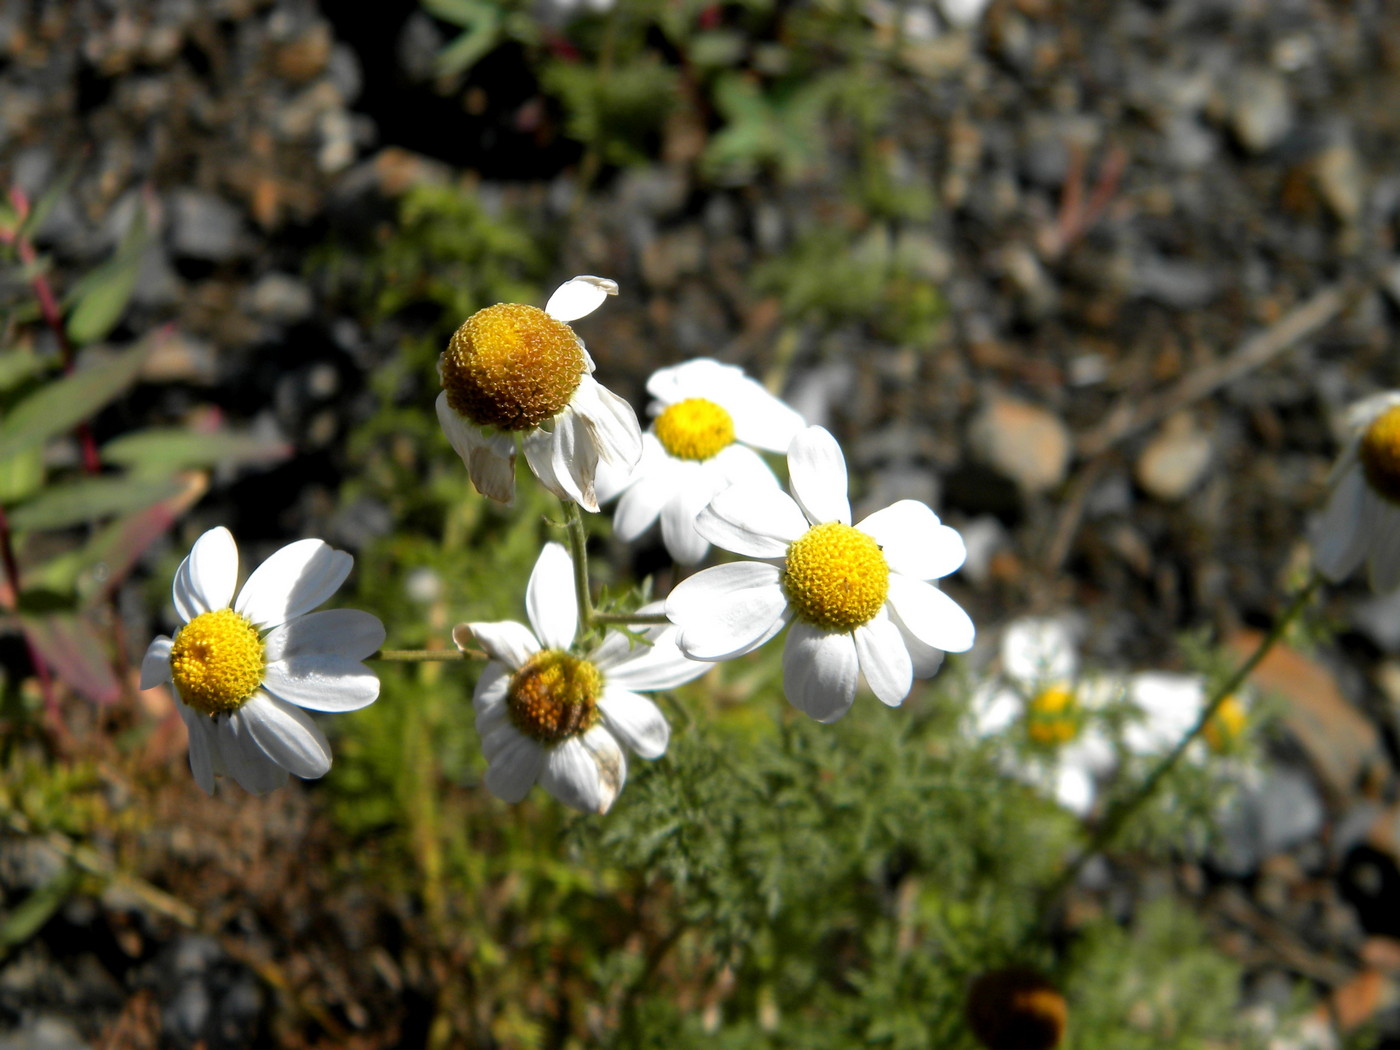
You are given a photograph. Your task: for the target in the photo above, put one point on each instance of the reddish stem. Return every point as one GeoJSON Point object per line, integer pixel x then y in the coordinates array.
{"type": "Point", "coordinates": [41, 671]}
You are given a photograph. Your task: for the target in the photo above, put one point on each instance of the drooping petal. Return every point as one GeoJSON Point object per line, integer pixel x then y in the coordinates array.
{"type": "Point", "coordinates": [1340, 540]}
{"type": "Point", "coordinates": [507, 641]}
{"type": "Point", "coordinates": [1384, 566]}
{"type": "Point", "coordinates": [550, 599]}
{"type": "Point", "coordinates": [933, 617]}
{"type": "Point", "coordinates": [489, 696]}
{"type": "Point", "coordinates": [915, 543]}
{"type": "Point", "coordinates": [155, 665]}
{"type": "Point", "coordinates": [287, 735]}
{"type": "Point", "coordinates": [635, 721]}
{"type": "Point", "coordinates": [322, 682]}
{"type": "Point", "coordinates": [489, 458]}
{"type": "Point", "coordinates": [201, 731]}
{"type": "Point", "coordinates": [579, 297]}
{"type": "Point", "coordinates": [728, 610]}
{"type": "Point", "coordinates": [206, 578]}
{"type": "Point", "coordinates": [612, 423]}
{"type": "Point", "coordinates": [884, 660]}
{"type": "Point", "coordinates": [757, 521]}
{"type": "Point", "coordinates": [678, 518]}
{"type": "Point", "coordinates": [515, 768]}
{"type": "Point", "coordinates": [538, 445]}
{"type": "Point", "coordinates": [817, 476]}
{"type": "Point", "coordinates": [293, 581]}
{"type": "Point", "coordinates": [241, 757]}
{"type": "Point", "coordinates": [343, 632]}
{"type": "Point", "coordinates": [820, 671]}
{"type": "Point", "coordinates": [586, 772]}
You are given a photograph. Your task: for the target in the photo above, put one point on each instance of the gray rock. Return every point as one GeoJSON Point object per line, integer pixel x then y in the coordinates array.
{"type": "Point", "coordinates": [1277, 813]}
{"type": "Point", "coordinates": [280, 298]}
{"type": "Point", "coordinates": [1261, 112]}
{"type": "Point", "coordinates": [44, 1033]}
{"type": "Point", "coordinates": [1178, 283]}
{"type": "Point", "coordinates": [205, 227]}
{"type": "Point", "coordinates": [1378, 618]}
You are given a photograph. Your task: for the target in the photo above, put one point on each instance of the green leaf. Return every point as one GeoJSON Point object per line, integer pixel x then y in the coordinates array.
{"type": "Point", "coordinates": [62, 404]}
{"type": "Point", "coordinates": [176, 448]}
{"type": "Point", "coordinates": [75, 653]}
{"type": "Point", "coordinates": [112, 553]}
{"type": "Point", "coordinates": [102, 296]}
{"type": "Point", "coordinates": [21, 476]}
{"type": "Point", "coordinates": [83, 501]}
{"type": "Point", "coordinates": [29, 916]}
{"type": "Point", "coordinates": [15, 367]}
{"type": "Point", "coordinates": [39, 211]}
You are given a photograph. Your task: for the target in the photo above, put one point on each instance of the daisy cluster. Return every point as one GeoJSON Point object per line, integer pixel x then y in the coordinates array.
{"type": "Point", "coordinates": [726, 473]}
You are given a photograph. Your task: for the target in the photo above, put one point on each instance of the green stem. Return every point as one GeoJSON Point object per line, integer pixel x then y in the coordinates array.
{"type": "Point", "coordinates": [421, 656]}
{"type": "Point", "coordinates": [630, 619]}
{"type": "Point", "coordinates": [578, 550]}
{"type": "Point", "coordinates": [1118, 816]}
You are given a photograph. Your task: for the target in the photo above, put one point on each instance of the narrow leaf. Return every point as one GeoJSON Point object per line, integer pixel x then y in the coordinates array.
{"type": "Point", "coordinates": [175, 448]}
{"type": "Point", "coordinates": [62, 404]}
{"type": "Point", "coordinates": [30, 915]}
{"type": "Point", "coordinates": [84, 501]}
{"type": "Point", "coordinates": [16, 366]}
{"type": "Point", "coordinates": [75, 653]}
{"type": "Point", "coordinates": [103, 296]}
{"type": "Point", "coordinates": [21, 476]}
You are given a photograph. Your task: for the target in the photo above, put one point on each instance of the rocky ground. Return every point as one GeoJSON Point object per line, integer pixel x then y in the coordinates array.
{"type": "Point", "coordinates": [1165, 242]}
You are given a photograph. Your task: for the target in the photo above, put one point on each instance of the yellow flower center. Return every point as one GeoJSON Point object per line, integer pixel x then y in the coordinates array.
{"type": "Point", "coordinates": [1226, 726]}
{"type": "Point", "coordinates": [836, 577]}
{"type": "Point", "coordinates": [1053, 716]}
{"type": "Point", "coordinates": [694, 429]}
{"type": "Point", "coordinates": [1380, 454]}
{"type": "Point", "coordinates": [511, 366]}
{"type": "Point", "coordinates": [554, 696]}
{"type": "Point", "coordinates": [216, 661]}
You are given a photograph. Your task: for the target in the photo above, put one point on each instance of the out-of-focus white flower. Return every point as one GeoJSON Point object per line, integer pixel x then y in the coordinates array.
{"type": "Point", "coordinates": [860, 598]}
{"type": "Point", "coordinates": [709, 418]}
{"type": "Point", "coordinates": [1166, 706]}
{"type": "Point", "coordinates": [1361, 522]}
{"type": "Point", "coordinates": [547, 715]}
{"type": "Point", "coordinates": [513, 370]}
{"type": "Point", "coordinates": [246, 671]}
{"type": "Point", "coordinates": [1062, 747]}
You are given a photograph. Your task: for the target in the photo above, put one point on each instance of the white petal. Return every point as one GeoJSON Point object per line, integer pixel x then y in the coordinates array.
{"type": "Point", "coordinates": [489, 458]}
{"type": "Point", "coordinates": [155, 665]}
{"type": "Point", "coordinates": [488, 698]}
{"type": "Point", "coordinates": [678, 519]}
{"type": "Point", "coordinates": [1339, 541]}
{"type": "Point", "coordinates": [515, 768]}
{"type": "Point", "coordinates": [728, 610]}
{"type": "Point", "coordinates": [287, 735]}
{"type": "Point", "coordinates": [817, 476]}
{"type": "Point", "coordinates": [698, 377]}
{"type": "Point", "coordinates": [884, 660]}
{"type": "Point", "coordinates": [239, 754]}
{"type": "Point", "coordinates": [926, 659]}
{"type": "Point", "coordinates": [322, 682]}
{"type": "Point", "coordinates": [206, 578]}
{"type": "Point", "coordinates": [586, 772]}
{"type": "Point", "coordinates": [343, 632]}
{"type": "Point", "coordinates": [660, 665]}
{"type": "Point", "coordinates": [293, 581]}
{"type": "Point", "coordinates": [635, 721]}
{"type": "Point", "coordinates": [507, 641]}
{"type": "Point", "coordinates": [579, 297]}
{"type": "Point", "coordinates": [760, 419]}
{"type": "Point", "coordinates": [820, 671]}
{"type": "Point", "coordinates": [1074, 789]}
{"type": "Point", "coordinates": [573, 458]}
{"type": "Point", "coordinates": [741, 465]}
{"type": "Point", "coordinates": [757, 521]}
{"type": "Point", "coordinates": [200, 731]}
{"type": "Point", "coordinates": [1036, 650]}
{"type": "Point", "coordinates": [933, 617]}
{"type": "Point", "coordinates": [915, 543]}
{"type": "Point", "coordinates": [538, 445]}
{"type": "Point", "coordinates": [993, 707]}
{"type": "Point", "coordinates": [612, 423]}
{"type": "Point", "coordinates": [1383, 568]}
{"type": "Point", "coordinates": [1168, 705]}
{"type": "Point", "coordinates": [550, 598]}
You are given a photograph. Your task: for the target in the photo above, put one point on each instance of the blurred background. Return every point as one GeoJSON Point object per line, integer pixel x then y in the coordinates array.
{"type": "Point", "coordinates": [1096, 280]}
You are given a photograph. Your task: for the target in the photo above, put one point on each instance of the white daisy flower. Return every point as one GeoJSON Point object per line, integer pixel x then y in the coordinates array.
{"type": "Point", "coordinates": [1361, 522]}
{"type": "Point", "coordinates": [515, 370]}
{"type": "Point", "coordinates": [247, 671]}
{"type": "Point", "coordinates": [1166, 706]}
{"type": "Point", "coordinates": [709, 417]}
{"type": "Point", "coordinates": [546, 715]}
{"type": "Point", "coordinates": [859, 596]}
{"type": "Point", "coordinates": [1062, 747]}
